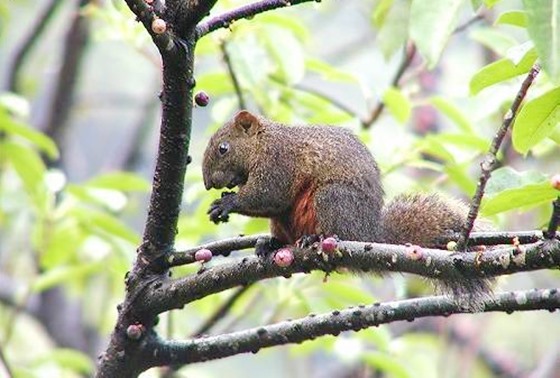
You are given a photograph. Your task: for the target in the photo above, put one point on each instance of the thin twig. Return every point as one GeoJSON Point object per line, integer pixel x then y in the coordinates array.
{"type": "Point", "coordinates": [246, 11]}
{"type": "Point", "coordinates": [218, 315]}
{"type": "Point", "coordinates": [554, 220]}
{"type": "Point", "coordinates": [232, 75]}
{"type": "Point", "coordinates": [222, 311]}
{"type": "Point", "coordinates": [221, 247]}
{"type": "Point", "coordinates": [409, 54]}
{"type": "Point", "coordinates": [490, 161]}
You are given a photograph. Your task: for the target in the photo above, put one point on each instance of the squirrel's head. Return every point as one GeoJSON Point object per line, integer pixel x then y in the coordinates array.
{"type": "Point", "coordinates": [229, 152]}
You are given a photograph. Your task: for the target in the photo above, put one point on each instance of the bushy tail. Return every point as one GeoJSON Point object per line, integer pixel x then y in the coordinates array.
{"type": "Point", "coordinates": [427, 220]}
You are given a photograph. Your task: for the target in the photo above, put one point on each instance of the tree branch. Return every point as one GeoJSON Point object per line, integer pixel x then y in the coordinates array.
{"type": "Point", "coordinates": [226, 19]}
{"type": "Point", "coordinates": [221, 247]}
{"type": "Point", "coordinates": [233, 76]}
{"type": "Point", "coordinates": [554, 220]}
{"type": "Point", "coordinates": [225, 246]}
{"type": "Point", "coordinates": [490, 160]}
{"type": "Point", "coordinates": [356, 318]}
{"type": "Point", "coordinates": [457, 271]}
{"type": "Point", "coordinates": [75, 44]}
{"type": "Point", "coordinates": [26, 46]}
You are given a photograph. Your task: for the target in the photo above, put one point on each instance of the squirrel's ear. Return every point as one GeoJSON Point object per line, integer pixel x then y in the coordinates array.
{"type": "Point", "coordinates": [247, 121]}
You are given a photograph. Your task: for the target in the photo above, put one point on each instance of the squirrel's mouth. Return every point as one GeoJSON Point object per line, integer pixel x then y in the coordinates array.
{"type": "Point", "coordinates": [236, 181]}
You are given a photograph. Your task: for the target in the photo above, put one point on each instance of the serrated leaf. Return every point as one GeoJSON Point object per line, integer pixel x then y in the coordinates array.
{"type": "Point", "coordinates": [64, 274]}
{"type": "Point", "coordinates": [515, 18]}
{"type": "Point", "coordinates": [522, 197]}
{"type": "Point", "coordinates": [397, 103]}
{"type": "Point", "coordinates": [431, 26]}
{"type": "Point", "coordinates": [452, 112]}
{"type": "Point", "coordinates": [501, 70]}
{"type": "Point", "coordinates": [124, 181]}
{"type": "Point", "coordinates": [537, 119]}
{"type": "Point", "coordinates": [543, 25]}
{"type": "Point", "coordinates": [40, 140]}
{"type": "Point", "coordinates": [508, 178]}
{"type": "Point", "coordinates": [393, 33]}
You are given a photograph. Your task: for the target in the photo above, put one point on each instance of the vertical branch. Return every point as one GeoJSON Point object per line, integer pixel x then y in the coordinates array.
{"type": "Point", "coordinates": [75, 44]}
{"type": "Point", "coordinates": [30, 40]}
{"type": "Point", "coordinates": [550, 232]}
{"type": "Point", "coordinates": [490, 161]}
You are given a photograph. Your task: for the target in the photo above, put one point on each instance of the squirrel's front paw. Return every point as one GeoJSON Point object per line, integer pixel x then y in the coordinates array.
{"type": "Point", "coordinates": [220, 208]}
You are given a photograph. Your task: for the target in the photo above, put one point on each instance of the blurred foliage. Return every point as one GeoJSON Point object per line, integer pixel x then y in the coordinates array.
{"type": "Point", "coordinates": [437, 125]}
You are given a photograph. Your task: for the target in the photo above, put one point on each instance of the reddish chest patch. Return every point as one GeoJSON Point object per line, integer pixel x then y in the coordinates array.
{"type": "Point", "coordinates": [301, 221]}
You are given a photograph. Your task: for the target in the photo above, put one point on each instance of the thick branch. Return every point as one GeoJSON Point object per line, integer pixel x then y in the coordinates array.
{"type": "Point", "coordinates": [461, 268]}
{"type": "Point", "coordinates": [490, 161]}
{"type": "Point", "coordinates": [357, 318]}
{"type": "Point", "coordinates": [246, 11]}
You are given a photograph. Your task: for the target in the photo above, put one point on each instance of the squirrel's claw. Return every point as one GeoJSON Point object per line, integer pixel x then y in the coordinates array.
{"type": "Point", "coordinates": [219, 209]}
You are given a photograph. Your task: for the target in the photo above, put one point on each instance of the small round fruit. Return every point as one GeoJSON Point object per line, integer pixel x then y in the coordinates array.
{"type": "Point", "coordinates": [284, 257]}
{"type": "Point", "coordinates": [328, 245]}
{"type": "Point", "coordinates": [201, 99]}
{"type": "Point", "coordinates": [159, 26]}
{"type": "Point", "coordinates": [203, 255]}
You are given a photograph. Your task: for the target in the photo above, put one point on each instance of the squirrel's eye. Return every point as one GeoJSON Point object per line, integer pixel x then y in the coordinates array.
{"type": "Point", "coordinates": [223, 148]}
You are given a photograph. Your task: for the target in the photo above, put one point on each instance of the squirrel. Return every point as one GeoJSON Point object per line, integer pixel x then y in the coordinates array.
{"type": "Point", "coordinates": [320, 180]}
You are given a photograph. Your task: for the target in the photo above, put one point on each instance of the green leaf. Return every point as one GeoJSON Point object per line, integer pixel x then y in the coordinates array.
{"type": "Point", "coordinates": [501, 70]}
{"type": "Point", "coordinates": [380, 12]}
{"type": "Point", "coordinates": [69, 359]}
{"type": "Point", "coordinates": [65, 274]}
{"type": "Point", "coordinates": [30, 169]}
{"type": "Point", "coordinates": [494, 39]}
{"type": "Point", "coordinates": [537, 119]}
{"type": "Point", "coordinates": [476, 4]}
{"type": "Point", "coordinates": [515, 18]}
{"type": "Point", "coordinates": [123, 181]}
{"type": "Point", "coordinates": [290, 66]}
{"type": "Point", "coordinates": [214, 83]}
{"type": "Point", "coordinates": [287, 22]}
{"type": "Point", "coordinates": [522, 197]}
{"type": "Point", "coordinates": [452, 112]}
{"type": "Point", "coordinates": [508, 178]}
{"type": "Point", "coordinates": [432, 24]}
{"type": "Point", "coordinates": [397, 103]}
{"type": "Point", "coordinates": [103, 224]}
{"type": "Point", "coordinates": [394, 31]}
{"type": "Point", "coordinates": [544, 29]}
{"type": "Point", "coordinates": [386, 363]}
{"type": "Point", "coordinates": [491, 3]}
{"type": "Point", "coordinates": [40, 140]}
